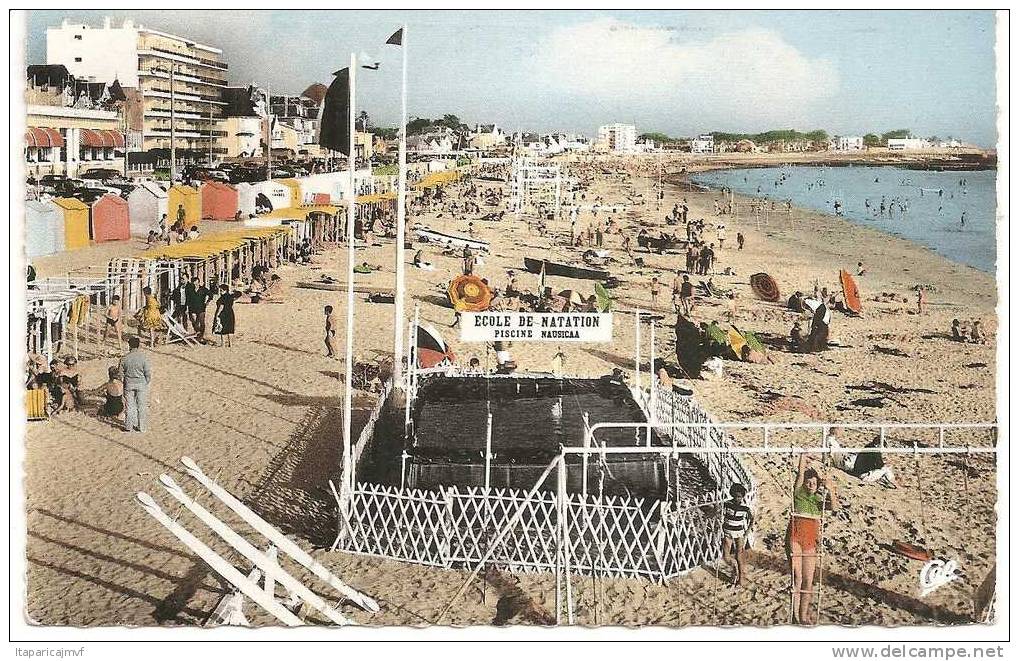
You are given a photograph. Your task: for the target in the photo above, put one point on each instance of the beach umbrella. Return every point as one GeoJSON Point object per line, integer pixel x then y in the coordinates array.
{"type": "Point", "coordinates": [851, 292]}
{"type": "Point", "coordinates": [432, 350]}
{"type": "Point", "coordinates": [468, 293]}
{"type": "Point", "coordinates": [764, 286]}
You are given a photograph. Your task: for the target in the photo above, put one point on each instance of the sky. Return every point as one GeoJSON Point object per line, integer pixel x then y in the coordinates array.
{"type": "Point", "coordinates": [675, 72]}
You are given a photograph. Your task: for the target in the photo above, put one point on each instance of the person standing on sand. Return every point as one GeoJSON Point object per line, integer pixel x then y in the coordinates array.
{"type": "Point", "coordinates": [686, 294]}
{"type": "Point", "coordinates": [736, 523]}
{"type": "Point", "coordinates": [330, 332]}
{"type": "Point", "coordinates": [921, 300]}
{"type": "Point", "coordinates": [469, 261]}
{"type": "Point", "coordinates": [656, 288]}
{"type": "Point", "coordinates": [721, 236]}
{"type": "Point", "coordinates": [739, 240]}
{"type": "Point", "coordinates": [803, 534]}
{"type": "Point", "coordinates": [198, 297]}
{"type": "Point", "coordinates": [224, 321]}
{"type": "Point", "coordinates": [137, 377]}
{"type": "Point", "coordinates": [150, 317]}
{"type": "Point", "coordinates": [115, 321]}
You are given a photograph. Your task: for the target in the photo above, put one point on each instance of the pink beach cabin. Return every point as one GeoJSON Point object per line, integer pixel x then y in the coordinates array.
{"type": "Point", "coordinates": [220, 201]}
{"type": "Point", "coordinates": [111, 220]}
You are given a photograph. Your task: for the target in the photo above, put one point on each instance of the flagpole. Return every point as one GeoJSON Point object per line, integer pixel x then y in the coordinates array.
{"type": "Point", "coordinates": [401, 223]}
{"type": "Point", "coordinates": [348, 472]}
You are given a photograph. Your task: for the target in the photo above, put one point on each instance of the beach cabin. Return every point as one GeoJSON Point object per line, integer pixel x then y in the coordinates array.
{"type": "Point", "coordinates": [75, 220]}
{"type": "Point", "coordinates": [44, 228]}
{"type": "Point", "coordinates": [187, 198]}
{"type": "Point", "coordinates": [262, 197]}
{"type": "Point", "coordinates": [296, 194]}
{"type": "Point", "coordinates": [219, 201]}
{"type": "Point", "coordinates": [110, 219]}
{"type": "Point", "coordinates": [146, 204]}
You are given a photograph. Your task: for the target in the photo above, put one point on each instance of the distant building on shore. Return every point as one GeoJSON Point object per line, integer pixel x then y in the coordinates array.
{"type": "Point", "coordinates": [435, 143]}
{"type": "Point", "coordinates": [703, 144]}
{"type": "Point", "coordinates": [846, 143]}
{"type": "Point", "coordinates": [487, 136]}
{"type": "Point", "coordinates": [141, 58]}
{"type": "Point", "coordinates": [903, 144]}
{"type": "Point", "coordinates": [619, 138]}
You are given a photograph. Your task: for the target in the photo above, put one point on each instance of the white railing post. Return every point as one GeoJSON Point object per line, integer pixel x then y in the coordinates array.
{"type": "Point", "coordinates": [488, 452]}
{"type": "Point", "coordinates": [636, 359]}
{"type": "Point", "coordinates": [583, 460]}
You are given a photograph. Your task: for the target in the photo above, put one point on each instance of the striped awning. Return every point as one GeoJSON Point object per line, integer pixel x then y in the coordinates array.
{"type": "Point", "coordinates": [42, 136]}
{"type": "Point", "coordinates": [101, 138]}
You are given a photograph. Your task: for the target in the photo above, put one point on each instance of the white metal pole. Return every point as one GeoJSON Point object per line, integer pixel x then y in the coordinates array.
{"type": "Point", "coordinates": [348, 471]}
{"type": "Point", "coordinates": [652, 379]}
{"type": "Point", "coordinates": [401, 224]}
{"type": "Point", "coordinates": [268, 123]}
{"type": "Point", "coordinates": [488, 453]}
{"type": "Point", "coordinates": [173, 130]}
{"type": "Point", "coordinates": [587, 444]}
{"type": "Point", "coordinates": [636, 359]}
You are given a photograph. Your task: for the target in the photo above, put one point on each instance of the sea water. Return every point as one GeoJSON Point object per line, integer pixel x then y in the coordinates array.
{"type": "Point", "coordinates": [923, 206]}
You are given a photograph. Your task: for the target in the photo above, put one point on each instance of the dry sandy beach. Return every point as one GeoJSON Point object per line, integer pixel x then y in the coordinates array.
{"type": "Point", "coordinates": [264, 419]}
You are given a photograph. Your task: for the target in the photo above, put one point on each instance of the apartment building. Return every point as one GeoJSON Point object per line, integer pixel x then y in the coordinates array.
{"type": "Point", "coordinates": [617, 137]}
{"type": "Point", "coordinates": [142, 59]}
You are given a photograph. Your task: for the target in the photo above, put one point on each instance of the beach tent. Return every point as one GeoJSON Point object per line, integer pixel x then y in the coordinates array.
{"type": "Point", "coordinates": [75, 217]}
{"type": "Point", "coordinates": [190, 199]}
{"type": "Point", "coordinates": [146, 204]}
{"type": "Point", "coordinates": [44, 228]}
{"type": "Point", "coordinates": [110, 219]}
{"type": "Point", "coordinates": [219, 201]}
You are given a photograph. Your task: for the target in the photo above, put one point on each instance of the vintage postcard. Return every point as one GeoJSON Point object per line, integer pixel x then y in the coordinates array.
{"type": "Point", "coordinates": [559, 319]}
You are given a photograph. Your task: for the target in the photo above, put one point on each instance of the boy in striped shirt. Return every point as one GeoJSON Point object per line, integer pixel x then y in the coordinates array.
{"type": "Point", "coordinates": [736, 522]}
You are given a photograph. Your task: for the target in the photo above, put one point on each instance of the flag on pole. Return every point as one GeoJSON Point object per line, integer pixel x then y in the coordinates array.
{"type": "Point", "coordinates": [396, 39]}
{"type": "Point", "coordinates": [334, 131]}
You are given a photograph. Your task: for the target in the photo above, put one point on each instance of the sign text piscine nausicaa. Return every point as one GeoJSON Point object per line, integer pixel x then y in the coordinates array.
{"type": "Point", "coordinates": [536, 327]}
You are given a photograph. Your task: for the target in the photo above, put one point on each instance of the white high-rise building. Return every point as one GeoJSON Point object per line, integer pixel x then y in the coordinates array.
{"type": "Point", "coordinates": [618, 137]}
{"type": "Point", "coordinates": [141, 58]}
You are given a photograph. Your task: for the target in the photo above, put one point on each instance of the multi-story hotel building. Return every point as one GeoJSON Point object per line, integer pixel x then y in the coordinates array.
{"type": "Point", "coordinates": [141, 59]}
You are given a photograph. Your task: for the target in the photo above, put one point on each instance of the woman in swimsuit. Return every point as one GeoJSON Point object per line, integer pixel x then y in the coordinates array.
{"type": "Point", "coordinates": [113, 407]}
{"type": "Point", "coordinates": [803, 534]}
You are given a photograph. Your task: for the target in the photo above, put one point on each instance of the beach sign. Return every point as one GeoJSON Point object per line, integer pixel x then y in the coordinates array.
{"type": "Point", "coordinates": [536, 327]}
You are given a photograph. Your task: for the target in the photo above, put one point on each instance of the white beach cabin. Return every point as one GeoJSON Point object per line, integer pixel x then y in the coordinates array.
{"type": "Point", "coordinates": [44, 228]}
{"type": "Point", "coordinates": [146, 204]}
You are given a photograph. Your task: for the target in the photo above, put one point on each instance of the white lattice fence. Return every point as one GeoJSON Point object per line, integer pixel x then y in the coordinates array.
{"type": "Point", "coordinates": [403, 524]}
{"type": "Point", "coordinates": [476, 517]}
{"type": "Point", "coordinates": [614, 536]}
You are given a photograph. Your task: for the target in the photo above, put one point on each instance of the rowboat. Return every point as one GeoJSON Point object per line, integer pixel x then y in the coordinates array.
{"type": "Point", "coordinates": [455, 240]}
{"type": "Point", "coordinates": [564, 270]}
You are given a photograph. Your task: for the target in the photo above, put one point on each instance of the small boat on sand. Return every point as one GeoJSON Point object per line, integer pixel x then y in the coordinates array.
{"type": "Point", "coordinates": [429, 235]}
{"type": "Point", "coordinates": [565, 270]}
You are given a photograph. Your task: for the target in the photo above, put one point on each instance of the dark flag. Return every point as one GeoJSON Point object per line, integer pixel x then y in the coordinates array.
{"type": "Point", "coordinates": [334, 125]}
{"type": "Point", "coordinates": [396, 39]}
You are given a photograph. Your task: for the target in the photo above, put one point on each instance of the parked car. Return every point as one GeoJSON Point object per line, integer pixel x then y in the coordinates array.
{"type": "Point", "coordinates": [110, 179]}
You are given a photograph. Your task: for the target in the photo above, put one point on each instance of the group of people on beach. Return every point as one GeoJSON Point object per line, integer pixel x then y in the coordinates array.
{"type": "Point", "coordinates": [178, 232]}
